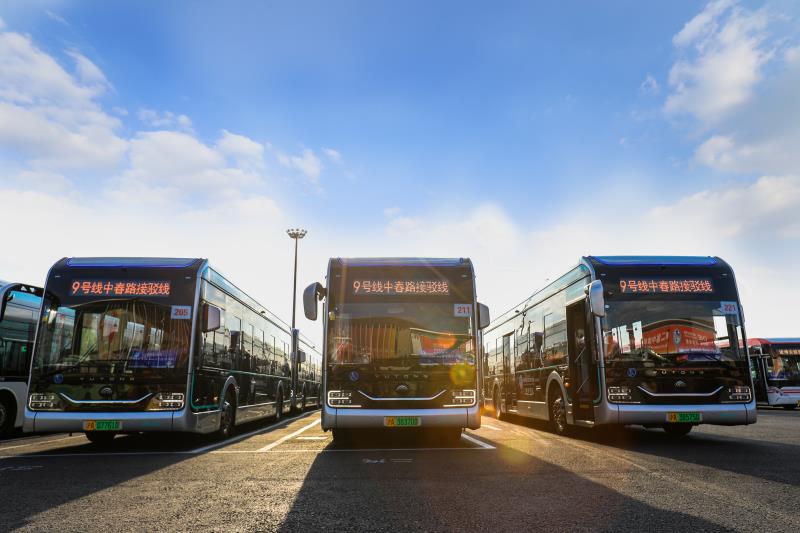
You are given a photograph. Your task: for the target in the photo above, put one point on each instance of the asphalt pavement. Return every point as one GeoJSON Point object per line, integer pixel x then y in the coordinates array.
{"type": "Point", "coordinates": [510, 475]}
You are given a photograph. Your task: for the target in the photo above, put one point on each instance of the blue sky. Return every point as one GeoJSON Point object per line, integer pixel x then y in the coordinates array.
{"type": "Point", "coordinates": [523, 135]}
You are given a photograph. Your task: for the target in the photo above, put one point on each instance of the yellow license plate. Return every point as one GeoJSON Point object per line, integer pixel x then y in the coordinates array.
{"type": "Point", "coordinates": [693, 418]}
{"type": "Point", "coordinates": [402, 421]}
{"type": "Point", "coordinates": [102, 425]}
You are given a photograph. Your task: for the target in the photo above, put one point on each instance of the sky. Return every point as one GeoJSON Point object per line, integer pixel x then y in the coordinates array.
{"type": "Point", "coordinates": [523, 136]}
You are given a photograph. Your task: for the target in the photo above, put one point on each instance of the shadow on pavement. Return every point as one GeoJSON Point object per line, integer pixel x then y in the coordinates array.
{"type": "Point", "coordinates": [762, 459]}
{"type": "Point", "coordinates": [496, 490]}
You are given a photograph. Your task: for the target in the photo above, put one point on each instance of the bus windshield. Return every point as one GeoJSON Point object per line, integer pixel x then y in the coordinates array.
{"type": "Point", "coordinates": [400, 334]}
{"type": "Point", "coordinates": [111, 337]}
{"type": "Point", "coordinates": [672, 332]}
{"type": "Point", "coordinates": [784, 365]}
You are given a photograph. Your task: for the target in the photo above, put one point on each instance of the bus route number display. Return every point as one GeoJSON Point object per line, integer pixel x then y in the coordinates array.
{"type": "Point", "coordinates": [96, 287]}
{"type": "Point", "coordinates": [391, 287]}
{"type": "Point", "coordinates": [665, 286]}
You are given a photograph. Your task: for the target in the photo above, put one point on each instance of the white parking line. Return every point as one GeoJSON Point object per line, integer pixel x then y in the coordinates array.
{"type": "Point", "coordinates": [238, 438]}
{"type": "Point", "coordinates": [283, 439]}
{"type": "Point", "coordinates": [493, 428]}
{"type": "Point", "coordinates": [322, 437]}
{"type": "Point", "coordinates": [479, 442]}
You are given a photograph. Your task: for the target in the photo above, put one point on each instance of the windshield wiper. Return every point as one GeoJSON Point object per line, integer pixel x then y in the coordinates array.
{"type": "Point", "coordinates": [81, 363]}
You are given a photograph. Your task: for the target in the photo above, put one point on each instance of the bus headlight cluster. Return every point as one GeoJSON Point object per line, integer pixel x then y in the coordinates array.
{"type": "Point", "coordinates": [166, 401]}
{"type": "Point", "coordinates": [44, 402]}
{"type": "Point", "coordinates": [619, 394]}
{"type": "Point", "coordinates": [462, 398]}
{"type": "Point", "coordinates": [341, 398]}
{"type": "Point", "coordinates": [739, 394]}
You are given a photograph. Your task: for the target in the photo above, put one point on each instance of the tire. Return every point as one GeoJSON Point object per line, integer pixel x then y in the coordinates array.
{"type": "Point", "coordinates": [7, 417]}
{"type": "Point", "coordinates": [791, 407]}
{"type": "Point", "coordinates": [498, 409]}
{"type": "Point", "coordinates": [677, 430]}
{"type": "Point", "coordinates": [557, 412]}
{"type": "Point", "coordinates": [279, 406]}
{"type": "Point", "coordinates": [227, 417]}
{"type": "Point", "coordinates": [100, 438]}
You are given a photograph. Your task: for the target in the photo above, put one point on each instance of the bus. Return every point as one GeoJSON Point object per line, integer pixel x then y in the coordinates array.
{"type": "Point", "coordinates": [400, 345]}
{"type": "Point", "coordinates": [651, 341]}
{"type": "Point", "coordinates": [19, 308]}
{"type": "Point", "coordinates": [130, 345]}
{"type": "Point", "coordinates": [775, 365]}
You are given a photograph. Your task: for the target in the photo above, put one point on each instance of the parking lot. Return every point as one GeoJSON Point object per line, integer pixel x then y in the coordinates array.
{"type": "Point", "coordinates": [508, 475]}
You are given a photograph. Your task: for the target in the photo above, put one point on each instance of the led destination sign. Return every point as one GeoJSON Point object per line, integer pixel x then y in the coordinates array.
{"type": "Point", "coordinates": [393, 287]}
{"type": "Point", "coordinates": [98, 287]}
{"type": "Point", "coordinates": [665, 286]}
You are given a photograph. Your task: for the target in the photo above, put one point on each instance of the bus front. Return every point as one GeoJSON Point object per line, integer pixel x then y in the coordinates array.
{"type": "Point", "coordinates": [400, 348]}
{"type": "Point", "coordinates": [112, 347]}
{"type": "Point", "coordinates": [673, 342]}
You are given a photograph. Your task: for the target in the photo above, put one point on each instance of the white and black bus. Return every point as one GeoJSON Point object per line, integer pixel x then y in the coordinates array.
{"type": "Point", "coordinates": [128, 345]}
{"type": "Point", "coordinates": [400, 346]}
{"type": "Point", "coordinates": [775, 365]}
{"type": "Point", "coordinates": [653, 341]}
{"type": "Point", "coordinates": [19, 309]}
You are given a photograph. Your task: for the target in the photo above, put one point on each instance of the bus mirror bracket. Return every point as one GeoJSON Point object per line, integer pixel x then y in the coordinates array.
{"type": "Point", "coordinates": [313, 292]}
{"type": "Point", "coordinates": [596, 299]}
{"type": "Point", "coordinates": [211, 318]}
{"type": "Point", "coordinates": [483, 316]}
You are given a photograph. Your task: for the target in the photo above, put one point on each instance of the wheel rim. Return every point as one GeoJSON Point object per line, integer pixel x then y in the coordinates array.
{"type": "Point", "coordinates": [226, 418]}
{"type": "Point", "coordinates": [557, 410]}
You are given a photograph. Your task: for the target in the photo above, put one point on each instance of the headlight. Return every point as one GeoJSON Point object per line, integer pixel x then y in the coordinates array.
{"type": "Point", "coordinates": [619, 394]}
{"type": "Point", "coordinates": [462, 398]}
{"type": "Point", "coordinates": [739, 394]}
{"type": "Point", "coordinates": [46, 401]}
{"type": "Point", "coordinates": [166, 401]}
{"type": "Point", "coordinates": [341, 398]}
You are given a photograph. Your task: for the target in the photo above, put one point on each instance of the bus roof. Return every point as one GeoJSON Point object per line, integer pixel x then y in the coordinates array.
{"type": "Point", "coordinates": [774, 340]}
{"type": "Point", "coordinates": [132, 262]}
{"type": "Point", "coordinates": [654, 260]}
{"type": "Point", "coordinates": [401, 261]}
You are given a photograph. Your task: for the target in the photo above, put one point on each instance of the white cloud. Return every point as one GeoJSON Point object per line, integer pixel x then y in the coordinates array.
{"type": "Point", "coordinates": [55, 17]}
{"type": "Point", "coordinates": [649, 85]}
{"type": "Point", "coordinates": [167, 119]}
{"type": "Point", "coordinates": [307, 163]}
{"type": "Point", "coordinates": [391, 211]}
{"type": "Point", "coordinates": [242, 149]}
{"type": "Point", "coordinates": [333, 155]}
{"type": "Point", "coordinates": [723, 51]}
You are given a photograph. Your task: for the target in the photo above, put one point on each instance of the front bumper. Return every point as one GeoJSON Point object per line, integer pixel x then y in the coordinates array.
{"type": "Point", "coordinates": [728, 414]}
{"type": "Point", "coordinates": [132, 422]}
{"type": "Point", "coordinates": [466, 417]}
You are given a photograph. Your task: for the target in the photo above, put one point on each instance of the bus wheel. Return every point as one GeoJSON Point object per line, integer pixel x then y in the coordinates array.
{"type": "Point", "coordinates": [227, 418]}
{"type": "Point", "coordinates": [279, 406]}
{"type": "Point", "coordinates": [6, 417]}
{"type": "Point", "coordinates": [558, 413]}
{"type": "Point", "coordinates": [790, 407]}
{"type": "Point", "coordinates": [677, 430]}
{"type": "Point", "coordinates": [100, 438]}
{"type": "Point", "coordinates": [498, 409]}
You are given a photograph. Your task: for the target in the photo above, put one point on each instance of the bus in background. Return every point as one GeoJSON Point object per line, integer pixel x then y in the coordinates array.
{"type": "Point", "coordinates": [19, 308]}
{"type": "Point", "coordinates": [400, 344]}
{"type": "Point", "coordinates": [775, 365]}
{"type": "Point", "coordinates": [128, 345]}
{"type": "Point", "coordinates": [652, 341]}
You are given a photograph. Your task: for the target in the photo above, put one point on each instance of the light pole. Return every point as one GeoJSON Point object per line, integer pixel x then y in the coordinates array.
{"type": "Point", "coordinates": [296, 234]}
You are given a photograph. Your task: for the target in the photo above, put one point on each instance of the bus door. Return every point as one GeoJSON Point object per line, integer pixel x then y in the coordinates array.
{"type": "Point", "coordinates": [758, 370]}
{"type": "Point", "coordinates": [509, 381]}
{"type": "Point", "coordinates": [582, 366]}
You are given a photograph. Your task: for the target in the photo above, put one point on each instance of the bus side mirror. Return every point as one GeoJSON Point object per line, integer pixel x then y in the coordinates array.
{"type": "Point", "coordinates": [211, 318]}
{"type": "Point", "coordinates": [596, 300]}
{"type": "Point", "coordinates": [6, 295]}
{"type": "Point", "coordinates": [483, 316]}
{"type": "Point", "coordinates": [301, 356]}
{"type": "Point", "coordinates": [313, 292]}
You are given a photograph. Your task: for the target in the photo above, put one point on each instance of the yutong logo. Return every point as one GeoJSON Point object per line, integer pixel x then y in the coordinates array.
{"type": "Point", "coordinates": [681, 372]}
{"type": "Point", "coordinates": [402, 389]}
{"type": "Point", "coordinates": [106, 392]}
{"type": "Point", "coordinates": [680, 384]}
